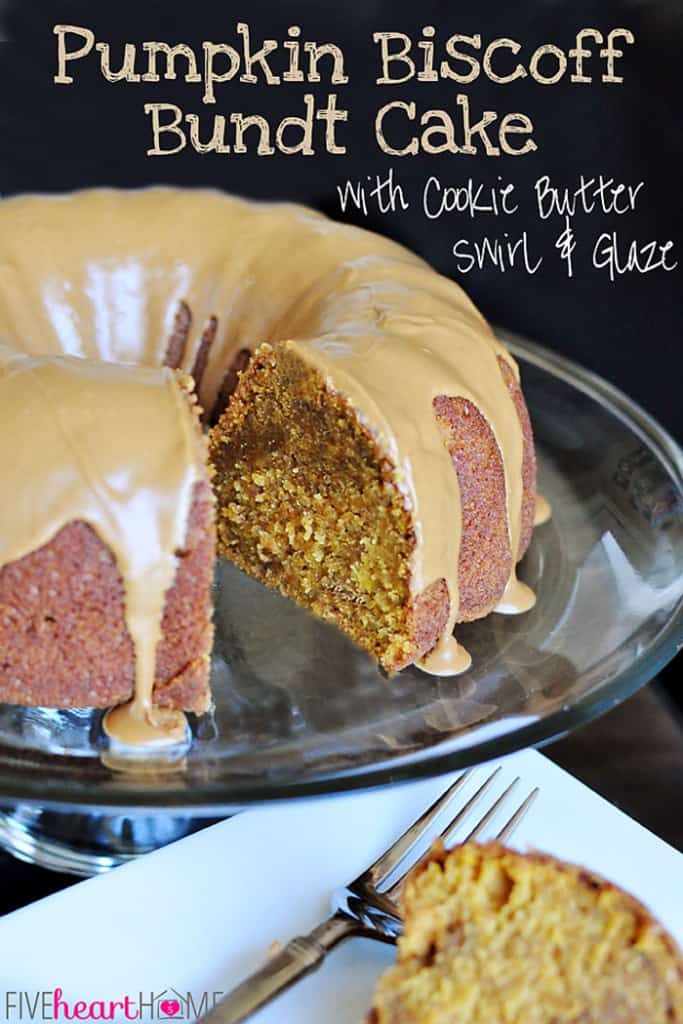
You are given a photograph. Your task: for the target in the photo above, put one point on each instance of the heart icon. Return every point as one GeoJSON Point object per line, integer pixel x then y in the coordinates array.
{"type": "Point", "coordinates": [169, 1007]}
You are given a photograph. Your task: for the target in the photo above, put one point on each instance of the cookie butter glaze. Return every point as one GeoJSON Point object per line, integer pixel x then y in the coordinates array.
{"type": "Point", "coordinates": [387, 331]}
{"type": "Point", "coordinates": [391, 346]}
{"type": "Point", "coordinates": [116, 448]}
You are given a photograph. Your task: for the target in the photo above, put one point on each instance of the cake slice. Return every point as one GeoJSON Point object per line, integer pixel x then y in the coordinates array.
{"type": "Point", "coordinates": [491, 935]}
{"type": "Point", "coordinates": [312, 501]}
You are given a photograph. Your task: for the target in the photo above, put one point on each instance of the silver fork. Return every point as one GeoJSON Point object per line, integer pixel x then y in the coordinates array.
{"type": "Point", "coordinates": [368, 906]}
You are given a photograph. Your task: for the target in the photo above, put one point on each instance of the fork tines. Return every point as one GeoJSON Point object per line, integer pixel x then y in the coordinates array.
{"type": "Point", "coordinates": [380, 875]}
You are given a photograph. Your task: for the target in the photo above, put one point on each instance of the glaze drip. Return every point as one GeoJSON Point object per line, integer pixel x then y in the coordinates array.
{"type": "Point", "coordinates": [116, 448]}
{"type": "Point", "coordinates": [448, 658]}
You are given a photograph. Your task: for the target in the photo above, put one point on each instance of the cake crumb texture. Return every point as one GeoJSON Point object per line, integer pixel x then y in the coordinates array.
{"type": "Point", "coordinates": [310, 504]}
{"type": "Point", "coordinates": [307, 504]}
{"type": "Point", "coordinates": [492, 936]}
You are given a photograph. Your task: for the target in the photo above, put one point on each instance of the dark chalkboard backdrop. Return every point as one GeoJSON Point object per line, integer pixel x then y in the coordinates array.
{"type": "Point", "coordinates": [57, 137]}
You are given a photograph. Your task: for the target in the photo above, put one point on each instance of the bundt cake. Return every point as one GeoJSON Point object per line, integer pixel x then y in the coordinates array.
{"type": "Point", "coordinates": [491, 935]}
{"type": "Point", "coordinates": [371, 454]}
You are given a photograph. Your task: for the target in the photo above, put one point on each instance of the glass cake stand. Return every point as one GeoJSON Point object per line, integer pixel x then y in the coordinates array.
{"type": "Point", "coordinates": [299, 711]}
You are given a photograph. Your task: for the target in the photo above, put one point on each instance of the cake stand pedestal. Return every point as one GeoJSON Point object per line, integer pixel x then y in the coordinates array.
{"type": "Point", "coordinates": [85, 844]}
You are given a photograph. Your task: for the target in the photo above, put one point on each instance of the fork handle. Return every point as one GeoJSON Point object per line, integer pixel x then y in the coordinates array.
{"type": "Point", "coordinates": [299, 957]}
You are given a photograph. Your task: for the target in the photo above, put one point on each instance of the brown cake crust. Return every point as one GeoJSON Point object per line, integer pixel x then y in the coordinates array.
{"type": "Point", "coordinates": [485, 561]}
{"type": "Point", "coordinates": [485, 558]}
{"type": "Point", "coordinates": [63, 636]}
{"type": "Point", "coordinates": [528, 457]}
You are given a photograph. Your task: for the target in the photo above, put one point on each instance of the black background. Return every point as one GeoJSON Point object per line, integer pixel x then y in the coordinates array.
{"type": "Point", "coordinates": [56, 138]}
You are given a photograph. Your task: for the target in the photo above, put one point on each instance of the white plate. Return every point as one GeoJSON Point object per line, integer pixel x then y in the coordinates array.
{"type": "Point", "coordinates": [200, 914]}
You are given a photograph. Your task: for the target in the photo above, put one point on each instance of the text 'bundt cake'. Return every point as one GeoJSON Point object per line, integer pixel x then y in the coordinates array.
{"type": "Point", "coordinates": [375, 461]}
{"type": "Point", "coordinates": [492, 936]}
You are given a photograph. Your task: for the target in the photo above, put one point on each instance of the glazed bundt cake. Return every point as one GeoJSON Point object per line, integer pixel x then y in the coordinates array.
{"type": "Point", "coordinates": [491, 935]}
{"type": "Point", "coordinates": [375, 461]}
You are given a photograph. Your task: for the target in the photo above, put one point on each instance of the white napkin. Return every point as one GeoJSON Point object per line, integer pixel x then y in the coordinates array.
{"type": "Point", "coordinates": [197, 916]}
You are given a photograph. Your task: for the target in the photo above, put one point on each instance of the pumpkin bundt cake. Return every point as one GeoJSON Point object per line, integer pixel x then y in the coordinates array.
{"type": "Point", "coordinates": [491, 935]}
{"type": "Point", "coordinates": [375, 461]}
